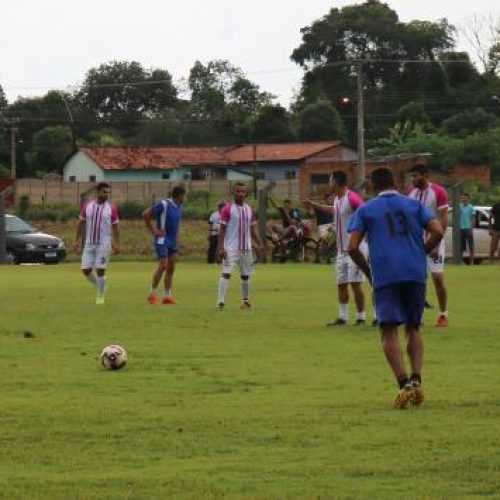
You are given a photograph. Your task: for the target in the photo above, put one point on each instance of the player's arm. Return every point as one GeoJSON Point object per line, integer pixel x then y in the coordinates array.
{"type": "Point", "coordinates": [443, 218]}
{"type": "Point", "coordinates": [320, 207]}
{"type": "Point", "coordinates": [116, 238]}
{"type": "Point", "coordinates": [147, 216]}
{"type": "Point", "coordinates": [78, 236]}
{"type": "Point", "coordinates": [221, 252]}
{"type": "Point", "coordinates": [435, 234]}
{"type": "Point", "coordinates": [355, 239]}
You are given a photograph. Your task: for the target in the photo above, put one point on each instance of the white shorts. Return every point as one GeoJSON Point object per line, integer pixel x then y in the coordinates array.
{"type": "Point", "coordinates": [437, 265]}
{"type": "Point", "coordinates": [348, 271]}
{"type": "Point", "coordinates": [324, 230]}
{"type": "Point", "coordinates": [241, 258]}
{"type": "Point", "coordinates": [95, 256]}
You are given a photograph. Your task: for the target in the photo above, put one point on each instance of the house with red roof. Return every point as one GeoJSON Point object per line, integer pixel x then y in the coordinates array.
{"type": "Point", "coordinates": [269, 162]}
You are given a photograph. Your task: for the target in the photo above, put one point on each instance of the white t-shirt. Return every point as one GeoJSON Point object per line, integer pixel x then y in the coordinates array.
{"type": "Point", "coordinates": [99, 218]}
{"type": "Point", "coordinates": [343, 210]}
{"type": "Point", "coordinates": [214, 222]}
{"type": "Point", "coordinates": [239, 219]}
{"type": "Point", "coordinates": [434, 197]}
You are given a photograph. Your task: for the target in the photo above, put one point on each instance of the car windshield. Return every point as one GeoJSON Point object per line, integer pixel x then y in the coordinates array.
{"type": "Point", "coordinates": [16, 225]}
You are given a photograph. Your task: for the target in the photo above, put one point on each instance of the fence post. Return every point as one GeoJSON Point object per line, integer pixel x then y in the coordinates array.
{"type": "Point", "coordinates": [456, 192]}
{"type": "Point", "coordinates": [3, 242]}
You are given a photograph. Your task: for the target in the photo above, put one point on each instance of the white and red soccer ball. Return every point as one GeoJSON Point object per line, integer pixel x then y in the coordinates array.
{"type": "Point", "coordinates": [113, 357]}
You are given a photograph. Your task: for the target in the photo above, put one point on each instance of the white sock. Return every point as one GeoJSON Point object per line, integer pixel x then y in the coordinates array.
{"type": "Point", "coordinates": [101, 285]}
{"type": "Point", "coordinates": [443, 313]}
{"type": "Point", "coordinates": [245, 289]}
{"type": "Point", "coordinates": [91, 278]}
{"type": "Point", "coordinates": [344, 311]}
{"type": "Point", "coordinates": [154, 290]}
{"type": "Point", "coordinates": [361, 315]}
{"type": "Point", "coordinates": [223, 286]}
{"type": "Point", "coordinates": [166, 293]}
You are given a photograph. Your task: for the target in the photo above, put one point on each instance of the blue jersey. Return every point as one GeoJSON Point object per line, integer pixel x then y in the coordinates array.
{"type": "Point", "coordinates": [167, 215]}
{"type": "Point", "coordinates": [394, 227]}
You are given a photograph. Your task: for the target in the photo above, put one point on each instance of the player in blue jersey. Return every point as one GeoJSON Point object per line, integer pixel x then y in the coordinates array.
{"type": "Point", "coordinates": [163, 220]}
{"type": "Point", "coordinates": [393, 225]}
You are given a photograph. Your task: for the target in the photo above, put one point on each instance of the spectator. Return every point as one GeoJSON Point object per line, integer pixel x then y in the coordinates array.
{"type": "Point", "coordinates": [494, 222]}
{"type": "Point", "coordinates": [213, 233]}
{"type": "Point", "coordinates": [467, 213]}
{"type": "Point", "coordinates": [290, 218]}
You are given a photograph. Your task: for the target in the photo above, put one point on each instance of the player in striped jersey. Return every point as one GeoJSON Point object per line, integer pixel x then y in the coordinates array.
{"type": "Point", "coordinates": [238, 227]}
{"type": "Point", "coordinates": [100, 218]}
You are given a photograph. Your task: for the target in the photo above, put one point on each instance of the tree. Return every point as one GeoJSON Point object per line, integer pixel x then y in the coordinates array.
{"type": "Point", "coordinates": [272, 124]}
{"type": "Point", "coordinates": [3, 99]}
{"type": "Point", "coordinates": [414, 112]}
{"type": "Point", "coordinates": [319, 121]}
{"type": "Point", "coordinates": [121, 93]}
{"type": "Point", "coordinates": [51, 146]}
{"type": "Point", "coordinates": [332, 48]}
{"type": "Point", "coordinates": [469, 122]}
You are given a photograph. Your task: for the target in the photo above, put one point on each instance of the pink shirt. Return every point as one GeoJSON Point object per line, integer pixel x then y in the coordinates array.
{"type": "Point", "coordinates": [99, 218]}
{"type": "Point", "coordinates": [434, 197]}
{"type": "Point", "coordinates": [238, 220]}
{"type": "Point", "coordinates": [343, 210]}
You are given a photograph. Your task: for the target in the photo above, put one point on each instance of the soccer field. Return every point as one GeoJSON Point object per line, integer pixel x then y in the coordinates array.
{"type": "Point", "coordinates": [261, 403]}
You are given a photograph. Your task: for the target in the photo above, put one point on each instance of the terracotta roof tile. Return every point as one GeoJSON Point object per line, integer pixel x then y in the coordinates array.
{"type": "Point", "coordinates": [154, 158]}
{"type": "Point", "coordinates": [279, 152]}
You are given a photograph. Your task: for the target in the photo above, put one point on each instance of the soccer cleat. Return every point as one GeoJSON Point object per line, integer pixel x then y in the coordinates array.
{"type": "Point", "coordinates": [360, 322]}
{"type": "Point", "coordinates": [403, 398]}
{"type": "Point", "coordinates": [417, 393]}
{"type": "Point", "coordinates": [337, 322]}
{"type": "Point", "coordinates": [99, 300]}
{"type": "Point", "coordinates": [442, 321]}
{"type": "Point", "coordinates": [245, 305]}
{"type": "Point", "coordinates": [168, 301]}
{"type": "Point", "coordinates": [152, 299]}
{"type": "Point", "coordinates": [220, 306]}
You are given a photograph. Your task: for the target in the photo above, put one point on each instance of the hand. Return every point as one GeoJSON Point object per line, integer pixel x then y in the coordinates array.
{"type": "Point", "coordinates": [77, 247]}
{"type": "Point", "coordinates": [222, 254]}
{"type": "Point", "coordinates": [159, 232]}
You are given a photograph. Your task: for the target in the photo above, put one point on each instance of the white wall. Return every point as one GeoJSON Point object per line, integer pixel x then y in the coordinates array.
{"type": "Point", "coordinates": [82, 168]}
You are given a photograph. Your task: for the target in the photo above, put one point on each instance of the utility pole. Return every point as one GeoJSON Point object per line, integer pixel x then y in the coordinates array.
{"type": "Point", "coordinates": [3, 246]}
{"type": "Point", "coordinates": [361, 126]}
{"type": "Point", "coordinates": [13, 131]}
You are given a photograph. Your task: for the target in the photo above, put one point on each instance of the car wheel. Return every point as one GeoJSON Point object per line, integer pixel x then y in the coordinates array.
{"type": "Point", "coordinates": [11, 258]}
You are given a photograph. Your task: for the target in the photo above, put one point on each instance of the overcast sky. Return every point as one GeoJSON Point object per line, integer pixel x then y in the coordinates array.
{"type": "Point", "coordinates": [50, 44]}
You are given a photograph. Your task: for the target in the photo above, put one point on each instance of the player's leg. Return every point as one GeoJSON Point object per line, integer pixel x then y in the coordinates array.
{"type": "Point", "coordinates": [227, 266]}
{"type": "Point", "coordinates": [102, 259]}
{"type": "Point", "coordinates": [88, 263]}
{"type": "Point", "coordinates": [342, 276]}
{"type": "Point", "coordinates": [161, 254]}
{"type": "Point", "coordinates": [414, 301]}
{"type": "Point", "coordinates": [356, 279]}
{"type": "Point", "coordinates": [436, 268]}
{"type": "Point", "coordinates": [245, 263]}
{"type": "Point", "coordinates": [171, 261]}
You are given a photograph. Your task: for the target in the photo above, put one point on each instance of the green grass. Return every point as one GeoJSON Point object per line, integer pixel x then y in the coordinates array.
{"type": "Point", "coordinates": [267, 403]}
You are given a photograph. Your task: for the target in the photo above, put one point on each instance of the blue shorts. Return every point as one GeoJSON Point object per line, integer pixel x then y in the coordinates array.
{"type": "Point", "coordinates": [400, 303]}
{"type": "Point", "coordinates": [164, 250]}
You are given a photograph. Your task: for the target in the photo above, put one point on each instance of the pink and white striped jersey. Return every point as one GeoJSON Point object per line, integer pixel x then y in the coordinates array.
{"type": "Point", "coordinates": [343, 210]}
{"type": "Point", "coordinates": [434, 197]}
{"type": "Point", "coordinates": [238, 220]}
{"type": "Point", "coordinates": [99, 218]}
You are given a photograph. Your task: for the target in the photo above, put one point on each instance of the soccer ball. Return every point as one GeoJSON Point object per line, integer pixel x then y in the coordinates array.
{"type": "Point", "coordinates": [113, 357]}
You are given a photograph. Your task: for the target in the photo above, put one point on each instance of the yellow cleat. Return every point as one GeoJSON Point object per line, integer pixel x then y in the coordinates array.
{"type": "Point", "coordinates": [403, 397]}
{"type": "Point", "coordinates": [417, 395]}
{"type": "Point", "coordinates": [99, 301]}
{"type": "Point", "coordinates": [245, 305]}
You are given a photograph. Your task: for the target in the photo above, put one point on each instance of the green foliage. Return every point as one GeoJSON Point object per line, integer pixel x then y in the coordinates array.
{"type": "Point", "coordinates": [4, 172]}
{"type": "Point", "coordinates": [273, 124]}
{"type": "Point", "coordinates": [51, 146]}
{"type": "Point", "coordinates": [320, 121]}
{"type": "Point", "coordinates": [24, 205]}
{"type": "Point", "coordinates": [131, 209]}
{"type": "Point", "coordinates": [469, 122]}
{"type": "Point", "coordinates": [414, 112]}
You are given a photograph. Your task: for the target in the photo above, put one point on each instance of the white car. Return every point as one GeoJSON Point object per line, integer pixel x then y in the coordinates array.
{"type": "Point", "coordinates": [480, 231]}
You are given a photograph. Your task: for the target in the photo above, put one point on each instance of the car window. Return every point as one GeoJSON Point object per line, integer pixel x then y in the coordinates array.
{"type": "Point", "coordinates": [16, 225]}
